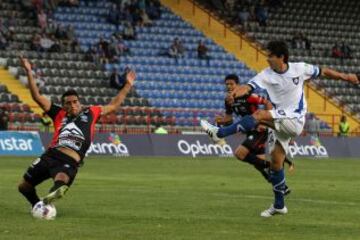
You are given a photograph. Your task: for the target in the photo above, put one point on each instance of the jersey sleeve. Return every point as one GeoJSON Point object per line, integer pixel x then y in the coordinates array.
{"type": "Point", "coordinates": [96, 111]}
{"type": "Point", "coordinates": [255, 99]}
{"type": "Point", "coordinates": [228, 108]}
{"type": "Point", "coordinates": [311, 71]}
{"type": "Point", "coordinates": [53, 111]}
{"type": "Point", "coordinates": [258, 81]}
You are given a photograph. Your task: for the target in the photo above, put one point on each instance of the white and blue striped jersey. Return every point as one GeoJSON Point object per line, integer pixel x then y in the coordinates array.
{"type": "Point", "coordinates": [286, 90]}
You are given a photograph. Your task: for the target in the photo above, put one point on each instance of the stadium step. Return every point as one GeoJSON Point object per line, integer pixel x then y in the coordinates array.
{"type": "Point", "coordinates": [15, 87]}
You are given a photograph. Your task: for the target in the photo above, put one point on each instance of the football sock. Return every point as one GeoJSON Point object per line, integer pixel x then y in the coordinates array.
{"type": "Point", "coordinates": [257, 162]}
{"type": "Point", "coordinates": [277, 179]}
{"type": "Point", "coordinates": [244, 125]}
{"type": "Point", "coordinates": [30, 195]}
{"type": "Point", "coordinates": [56, 185]}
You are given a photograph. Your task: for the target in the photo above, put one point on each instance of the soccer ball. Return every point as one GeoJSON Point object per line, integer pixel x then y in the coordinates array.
{"type": "Point", "coordinates": [42, 211]}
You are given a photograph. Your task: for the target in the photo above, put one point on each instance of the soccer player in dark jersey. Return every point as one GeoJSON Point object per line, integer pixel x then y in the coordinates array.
{"type": "Point", "coordinates": [74, 131]}
{"type": "Point", "coordinates": [252, 150]}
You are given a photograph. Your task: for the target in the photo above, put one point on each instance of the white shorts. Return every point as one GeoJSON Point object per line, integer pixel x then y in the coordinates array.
{"type": "Point", "coordinates": [285, 129]}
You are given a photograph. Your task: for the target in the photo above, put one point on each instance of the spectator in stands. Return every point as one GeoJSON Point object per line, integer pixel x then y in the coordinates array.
{"type": "Point", "coordinates": [202, 51]}
{"type": "Point", "coordinates": [113, 52]}
{"type": "Point", "coordinates": [91, 55]}
{"type": "Point", "coordinates": [127, 15]}
{"type": "Point", "coordinates": [51, 27]}
{"type": "Point", "coordinates": [129, 31]}
{"type": "Point", "coordinates": [37, 4]}
{"type": "Point", "coordinates": [11, 23]}
{"type": "Point", "coordinates": [344, 127]}
{"type": "Point", "coordinates": [177, 49]}
{"type": "Point", "coordinates": [35, 43]}
{"type": "Point", "coordinates": [3, 42]}
{"type": "Point", "coordinates": [50, 4]}
{"type": "Point", "coordinates": [42, 20]}
{"type": "Point", "coordinates": [336, 51]}
{"type": "Point", "coordinates": [57, 46]}
{"type": "Point", "coordinates": [46, 43]}
{"type": "Point", "coordinates": [312, 125]}
{"type": "Point", "coordinates": [121, 47]}
{"type": "Point", "coordinates": [345, 49]}
{"type": "Point", "coordinates": [75, 46]}
{"type": "Point", "coordinates": [160, 129]}
{"type": "Point", "coordinates": [113, 16]}
{"type": "Point", "coordinates": [243, 16]}
{"type": "Point", "coordinates": [145, 20]}
{"type": "Point", "coordinates": [70, 33]}
{"type": "Point", "coordinates": [117, 80]}
{"type": "Point", "coordinates": [261, 13]}
{"type": "Point", "coordinates": [153, 11]}
{"type": "Point", "coordinates": [299, 41]}
{"type": "Point", "coordinates": [5, 31]}
{"type": "Point", "coordinates": [141, 4]}
{"type": "Point", "coordinates": [60, 32]}
{"type": "Point", "coordinates": [103, 44]}
{"type": "Point", "coordinates": [4, 119]}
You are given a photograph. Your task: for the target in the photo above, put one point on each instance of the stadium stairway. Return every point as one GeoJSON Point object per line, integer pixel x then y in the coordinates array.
{"type": "Point", "coordinates": [245, 51]}
{"type": "Point", "coordinates": [18, 89]}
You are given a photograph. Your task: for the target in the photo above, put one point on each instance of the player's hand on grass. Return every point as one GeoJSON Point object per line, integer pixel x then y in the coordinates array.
{"type": "Point", "coordinates": [25, 64]}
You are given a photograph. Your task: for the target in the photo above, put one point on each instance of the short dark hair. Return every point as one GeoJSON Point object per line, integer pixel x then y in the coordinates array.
{"type": "Point", "coordinates": [279, 48]}
{"type": "Point", "coordinates": [70, 92]}
{"type": "Point", "coordinates": [232, 77]}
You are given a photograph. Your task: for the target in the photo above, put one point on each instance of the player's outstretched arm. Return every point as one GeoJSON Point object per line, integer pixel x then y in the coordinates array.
{"type": "Point", "coordinates": [41, 100]}
{"type": "Point", "coordinates": [118, 99]}
{"type": "Point", "coordinates": [330, 73]}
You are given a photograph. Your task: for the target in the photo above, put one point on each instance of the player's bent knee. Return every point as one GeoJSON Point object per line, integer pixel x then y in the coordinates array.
{"type": "Point", "coordinates": [240, 154]}
{"type": "Point", "coordinates": [62, 177]}
{"type": "Point", "coordinates": [24, 187]}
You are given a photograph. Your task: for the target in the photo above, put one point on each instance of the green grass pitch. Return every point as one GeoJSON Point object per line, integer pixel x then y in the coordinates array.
{"type": "Point", "coordinates": [183, 198]}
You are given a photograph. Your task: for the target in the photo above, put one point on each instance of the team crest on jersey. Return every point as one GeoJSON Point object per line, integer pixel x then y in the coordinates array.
{"type": "Point", "coordinates": [296, 80]}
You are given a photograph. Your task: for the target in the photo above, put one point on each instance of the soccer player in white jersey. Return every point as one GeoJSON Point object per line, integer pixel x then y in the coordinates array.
{"type": "Point", "coordinates": [284, 83]}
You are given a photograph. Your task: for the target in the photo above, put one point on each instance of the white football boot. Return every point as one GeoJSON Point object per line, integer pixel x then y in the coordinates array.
{"type": "Point", "coordinates": [212, 130]}
{"type": "Point", "coordinates": [272, 211]}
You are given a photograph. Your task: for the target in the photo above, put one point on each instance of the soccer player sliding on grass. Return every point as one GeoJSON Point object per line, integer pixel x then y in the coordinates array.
{"type": "Point", "coordinates": [74, 127]}
{"type": "Point", "coordinates": [284, 83]}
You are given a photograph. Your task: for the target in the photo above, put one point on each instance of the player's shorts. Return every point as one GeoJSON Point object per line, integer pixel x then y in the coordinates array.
{"type": "Point", "coordinates": [255, 141]}
{"type": "Point", "coordinates": [49, 165]}
{"type": "Point", "coordinates": [285, 130]}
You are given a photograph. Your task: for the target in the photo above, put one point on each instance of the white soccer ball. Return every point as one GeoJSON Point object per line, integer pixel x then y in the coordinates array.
{"type": "Point", "coordinates": [44, 211]}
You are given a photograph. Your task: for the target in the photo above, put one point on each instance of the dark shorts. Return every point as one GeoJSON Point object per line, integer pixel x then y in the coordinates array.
{"type": "Point", "coordinates": [256, 142]}
{"type": "Point", "coordinates": [49, 165]}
